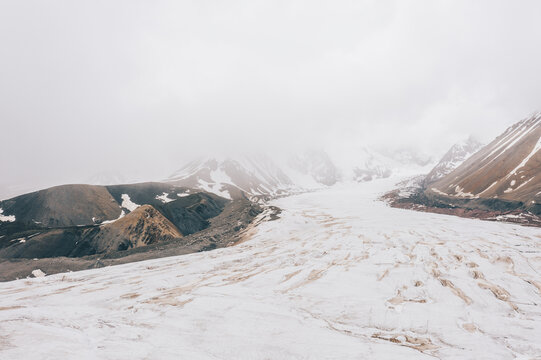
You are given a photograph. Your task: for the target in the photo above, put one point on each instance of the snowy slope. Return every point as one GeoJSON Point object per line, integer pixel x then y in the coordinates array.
{"type": "Point", "coordinates": [265, 177]}
{"type": "Point", "coordinates": [456, 155]}
{"type": "Point", "coordinates": [258, 176]}
{"type": "Point", "coordinates": [253, 175]}
{"type": "Point", "coordinates": [338, 276]}
{"type": "Point", "coordinates": [508, 168]}
{"type": "Point", "coordinates": [312, 169]}
{"type": "Point", "coordinates": [372, 164]}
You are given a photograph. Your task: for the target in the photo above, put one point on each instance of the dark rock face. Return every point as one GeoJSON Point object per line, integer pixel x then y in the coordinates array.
{"type": "Point", "coordinates": [192, 213]}
{"type": "Point", "coordinates": [84, 220]}
{"type": "Point", "coordinates": [149, 220]}
{"type": "Point", "coordinates": [225, 229]}
{"type": "Point", "coordinates": [147, 193]}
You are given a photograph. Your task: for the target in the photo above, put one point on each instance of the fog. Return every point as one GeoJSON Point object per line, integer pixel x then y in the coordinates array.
{"type": "Point", "coordinates": [137, 88]}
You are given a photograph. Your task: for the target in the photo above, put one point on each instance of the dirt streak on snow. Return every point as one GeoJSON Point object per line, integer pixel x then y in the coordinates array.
{"type": "Point", "coordinates": [339, 276]}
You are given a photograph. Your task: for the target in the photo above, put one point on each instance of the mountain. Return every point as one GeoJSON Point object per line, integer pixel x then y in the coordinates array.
{"type": "Point", "coordinates": [370, 165]}
{"type": "Point", "coordinates": [80, 204]}
{"type": "Point", "coordinates": [143, 226]}
{"type": "Point", "coordinates": [84, 220]}
{"type": "Point", "coordinates": [260, 177]}
{"type": "Point", "coordinates": [253, 176]}
{"type": "Point", "coordinates": [312, 169]}
{"type": "Point", "coordinates": [499, 182]}
{"type": "Point", "coordinates": [374, 164]}
{"type": "Point", "coordinates": [456, 155]}
{"type": "Point", "coordinates": [66, 205]}
{"type": "Point", "coordinates": [505, 174]}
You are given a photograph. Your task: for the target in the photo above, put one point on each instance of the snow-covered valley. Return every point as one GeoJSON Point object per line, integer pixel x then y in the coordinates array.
{"type": "Point", "coordinates": [339, 276]}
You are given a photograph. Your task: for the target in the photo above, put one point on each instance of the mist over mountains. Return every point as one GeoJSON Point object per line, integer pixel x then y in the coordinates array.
{"type": "Point", "coordinates": [142, 91]}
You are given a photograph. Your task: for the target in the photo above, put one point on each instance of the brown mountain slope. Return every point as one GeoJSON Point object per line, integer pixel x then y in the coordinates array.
{"type": "Point", "coordinates": [506, 171]}
{"type": "Point", "coordinates": [143, 226]}
{"type": "Point", "coordinates": [65, 205]}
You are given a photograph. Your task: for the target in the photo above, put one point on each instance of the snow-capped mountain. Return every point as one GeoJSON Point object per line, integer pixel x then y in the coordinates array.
{"type": "Point", "coordinates": [456, 155]}
{"type": "Point", "coordinates": [508, 169]}
{"type": "Point", "coordinates": [258, 176]}
{"type": "Point", "coordinates": [255, 176]}
{"type": "Point", "coordinates": [263, 177]}
{"type": "Point", "coordinates": [316, 168]}
{"type": "Point", "coordinates": [373, 164]}
{"type": "Point", "coordinates": [370, 165]}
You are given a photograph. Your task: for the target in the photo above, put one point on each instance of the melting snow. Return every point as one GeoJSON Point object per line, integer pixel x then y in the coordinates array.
{"type": "Point", "coordinates": [6, 218]}
{"type": "Point", "coordinates": [511, 139]}
{"type": "Point", "coordinates": [122, 214]}
{"type": "Point", "coordinates": [214, 188]}
{"type": "Point", "coordinates": [127, 203]}
{"type": "Point", "coordinates": [437, 191]}
{"type": "Point", "coordinates": [460, 193]}
{"type": "Point", "coordinates": [482, 192]}
{"type": "Point", "coordinates": [38, 273]}
{"type": "Point", "coordinates": [164, 198]}
{"type": "Point", "coordinates": [536, 148]}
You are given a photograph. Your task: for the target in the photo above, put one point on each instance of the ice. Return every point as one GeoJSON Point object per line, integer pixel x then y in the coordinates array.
{"type": "Point", "coordinates": [339, 276]}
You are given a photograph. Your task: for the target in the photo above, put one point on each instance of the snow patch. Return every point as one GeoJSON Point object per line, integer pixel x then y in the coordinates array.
{"type": "Point", "coordinates": [38, 273]}
{"type": "Point", "coordinates": [122, 214]}
{"type": "Point", "coordinates": [127, 203]}
{"type": "Point", "coordinates": [437, 191]}
{"type": "Point", "coordinates": [6, 218]}
{"type": "Point", "coordinates": [482, 192]}
{"type": "Point", "coordinates": [164, 198]}
{"type": "Point", "coordinates": [459, 192]}
{"type": "Point", "coordinates": [536, 148]}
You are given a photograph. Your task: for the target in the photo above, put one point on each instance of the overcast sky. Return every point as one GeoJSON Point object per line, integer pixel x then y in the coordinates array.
{"type": "Point", "coordinates": [139, 87]}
